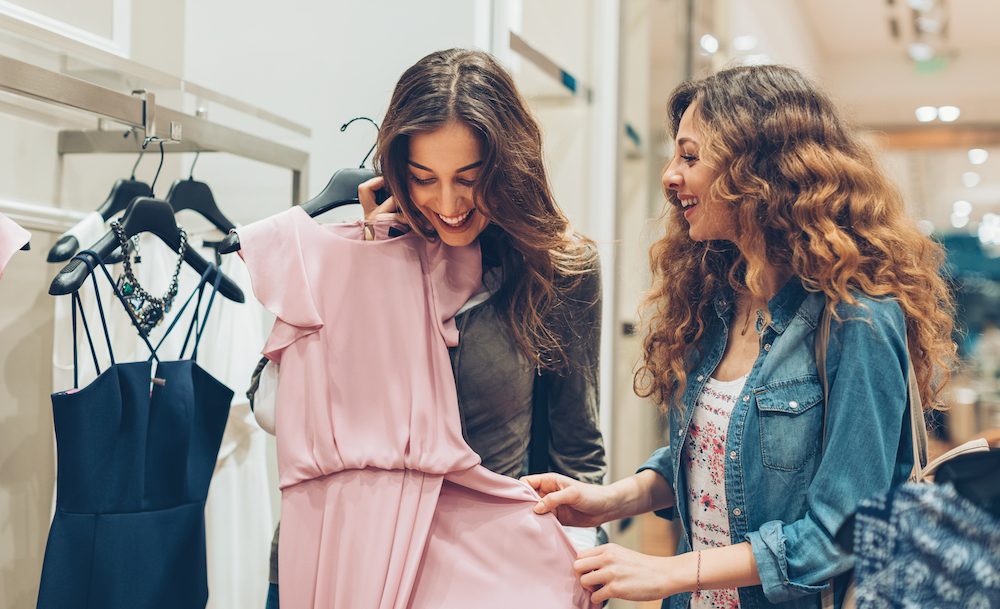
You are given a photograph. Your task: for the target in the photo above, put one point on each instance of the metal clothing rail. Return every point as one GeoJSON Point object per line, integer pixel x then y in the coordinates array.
{"type": "Point", "coordinates": [186, 133]}
{"type": "Point", "coordinates": [571, 83]}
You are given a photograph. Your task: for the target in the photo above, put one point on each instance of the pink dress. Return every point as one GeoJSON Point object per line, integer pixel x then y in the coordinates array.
{"type": "Point", "coordinates": [12, 237]}
{"type": "Point", "coordinates": [383, 504]}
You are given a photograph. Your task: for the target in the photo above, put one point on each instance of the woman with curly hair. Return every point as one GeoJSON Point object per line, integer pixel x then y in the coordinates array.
{"type": "Point", "coordinates": [777, 211]}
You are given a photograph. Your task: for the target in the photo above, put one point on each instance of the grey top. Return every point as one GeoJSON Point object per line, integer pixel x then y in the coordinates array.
{"type": "Point", "coordinates": [495, 383]}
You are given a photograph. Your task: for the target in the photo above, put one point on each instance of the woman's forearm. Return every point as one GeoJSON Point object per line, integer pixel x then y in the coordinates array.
{"type": "Point", "coordinates": [644, 492]}
{"type": "Point", "coordinates": [727, 567]}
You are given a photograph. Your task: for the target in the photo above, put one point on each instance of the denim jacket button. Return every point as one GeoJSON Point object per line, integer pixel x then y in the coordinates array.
{"type": "Point", "coordinates": [701, 377]}
{"type": "Point", "coordinates": [767, 347]}
{"type": "Point", "coordinates": [732, 455]}
{"type": "Point", "coordinates": [746, 398]}
{"type": "Point", "coordinates": [793, 404]}
{"type": "Point", "coordinates": [737, 512]}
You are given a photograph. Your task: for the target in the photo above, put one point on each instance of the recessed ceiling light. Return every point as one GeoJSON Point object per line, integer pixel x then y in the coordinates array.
{"type": "Point", "coordinates": [744, 43]}
{"type": "Point", "coordinates": [922, 6]}
{"type": "Point", "coordinates": [948, 114]}
{"type": "Point", "coordinates": [709, 43]}
{"type": "Point", "coordinates": [978, 156]}
{"type": "Point", "coordinates": [926, 114]}
{"type": "Point", "coordinates": [989, 229]}
{"type": "Point", "coordinates": [759, 59]}
{"type": "Point", "coordinates": [959, 221]}
{"type": "Point", "coordinates": [961, 208]}
{"type": "Point", "coordinates": [970, 179]}
{"type": "Point", "coordinates": [920, 51]}
{"type": "Point", "coordinates": [928, 25]}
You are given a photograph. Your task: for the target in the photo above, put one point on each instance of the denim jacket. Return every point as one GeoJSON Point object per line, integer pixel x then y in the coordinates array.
{"type": "Point", "coordinates": [787, 494]}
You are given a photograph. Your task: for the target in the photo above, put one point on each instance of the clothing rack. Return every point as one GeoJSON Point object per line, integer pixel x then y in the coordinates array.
{"type": "Point", "coordinates": [184, 133]}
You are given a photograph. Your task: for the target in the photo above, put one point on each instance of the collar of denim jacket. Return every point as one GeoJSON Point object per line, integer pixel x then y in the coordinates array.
{"type": "Point", "coordinates": [724, 301]}
{"type": "Point", "coordinates": [785, 304]}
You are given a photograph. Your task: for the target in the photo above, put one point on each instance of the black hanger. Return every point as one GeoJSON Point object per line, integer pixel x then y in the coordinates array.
{"type": "Point", "coordinates": [144, 215]}
{"type": "Point", "coordinates": [342, 189]}
{"type": "Point", "coordinates": [197, 197]}
{"type": "Point", "coordinates": [118, 199]}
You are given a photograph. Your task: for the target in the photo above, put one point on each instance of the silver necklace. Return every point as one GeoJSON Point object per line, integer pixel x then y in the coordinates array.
{"type": "Point", "coordinates": [149, 310]}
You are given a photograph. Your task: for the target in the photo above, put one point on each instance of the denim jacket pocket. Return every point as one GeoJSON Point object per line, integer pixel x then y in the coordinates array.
{"type": "Point", "coordinates": [791, 421]}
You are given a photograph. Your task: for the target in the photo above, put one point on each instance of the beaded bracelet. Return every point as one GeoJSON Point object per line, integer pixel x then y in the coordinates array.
{"type": "Point", "coordinates": [697, 582]}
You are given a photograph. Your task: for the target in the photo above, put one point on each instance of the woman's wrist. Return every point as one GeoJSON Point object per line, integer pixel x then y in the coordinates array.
{"type": "Point", "coordinates": [630, 496]}
{"type": "Point", "coordinates": [684, 573]}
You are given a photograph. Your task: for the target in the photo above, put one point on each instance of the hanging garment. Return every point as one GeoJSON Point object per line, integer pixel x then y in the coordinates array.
{"type": "Point", "coordinates": [87, 231]}
{"type": "Point", "coordinates": [238, 518]}
{"type": "Point", "coordinates": [136, 449]}
{"type": "Point", "coordinates": [384, 505]}
{"type": "Point", "coordinates": [924, 545]}
{"type": "Point", "coordinates": [12, 238]}
{"type": "Point", "coordinates": [238, 536]}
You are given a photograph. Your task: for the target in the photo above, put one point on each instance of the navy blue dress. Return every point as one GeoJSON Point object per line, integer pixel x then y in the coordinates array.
{"type": "Point", "coordinates": [136, 449]}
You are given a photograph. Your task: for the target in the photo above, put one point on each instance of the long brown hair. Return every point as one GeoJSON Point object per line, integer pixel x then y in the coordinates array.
{"type": "Point", "coordinates": [541, 257]}
{"type": "Point", "coordinates": [808, 196]}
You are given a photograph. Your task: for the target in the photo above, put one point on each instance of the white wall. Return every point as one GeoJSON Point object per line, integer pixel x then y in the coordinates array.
{"type": "Point", "coordinates": [316, 63]}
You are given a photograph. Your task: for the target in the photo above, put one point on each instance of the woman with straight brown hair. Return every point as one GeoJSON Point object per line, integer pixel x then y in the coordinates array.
{"type": "Point", "coordinates": [462, 157]}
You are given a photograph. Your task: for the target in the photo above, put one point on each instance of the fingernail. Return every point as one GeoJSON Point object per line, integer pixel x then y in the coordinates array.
{"type": "Point", "coordinates": [540, 507]}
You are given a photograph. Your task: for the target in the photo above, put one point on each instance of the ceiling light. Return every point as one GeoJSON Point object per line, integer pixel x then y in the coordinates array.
{"type": "Point", "coordinates": [709, 43]}
{"type": "Point", "coordinates": [744, 43]}
{"type": "Point", "coordinates": [926, 114]}
{"type": "Point", "coordinates": [920, 51]}
{"type": "Point", "coordinates": [922, 6]}
{"type": "Point", "coordinates": [970, 179]}
{"type": "Point", "coordinates": [759, 59]}
{"type": "Point", "coordinates": [928, 25]}
{"type": "Point", "coordinates": [989, 230]}
{"type": "Point", "coordinates": [959, 221]}
{"type": "Point", "coordinates": [978, 156]}
{"type": "Point", "coordinates": [948, 114]}
{"type": "Point", "coordinates": [961, 208]}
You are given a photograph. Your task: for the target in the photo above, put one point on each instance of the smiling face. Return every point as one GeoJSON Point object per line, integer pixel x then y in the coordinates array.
{"type": "Point", "coordinates": [444, 165]}
{"type": "Point", "coordinates": [691, 178]}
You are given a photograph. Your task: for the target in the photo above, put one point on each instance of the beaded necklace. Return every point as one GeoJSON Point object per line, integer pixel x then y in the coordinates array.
{"type": "Point", "coordinates": [149, 310]}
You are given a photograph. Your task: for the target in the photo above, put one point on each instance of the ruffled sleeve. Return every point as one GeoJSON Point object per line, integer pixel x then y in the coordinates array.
{"type": "Point", "coordinates": [455, 274]}
{"type": "Point", "coordinates": [283, 275]}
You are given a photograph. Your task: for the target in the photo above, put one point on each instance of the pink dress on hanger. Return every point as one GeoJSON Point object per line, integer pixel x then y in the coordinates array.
{"type": "Point", "coordinates": [12, 237]}
{"type": "Point", "coordinates": [384, 505]}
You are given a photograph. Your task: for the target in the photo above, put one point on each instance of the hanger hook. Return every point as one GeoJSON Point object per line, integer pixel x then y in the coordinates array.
{"type": "Point", "coordinates": [193, 163]}
{"type": "Point", "coordinates": [377, 130]}
{"type": "Point", "coordinates": [160, 166]}
{"type": "Point", "coordinates": [142, 151]}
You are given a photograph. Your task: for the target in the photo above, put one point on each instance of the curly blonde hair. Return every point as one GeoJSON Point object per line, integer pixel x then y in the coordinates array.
{"type": "Point", "coordinates": [809, 197]}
